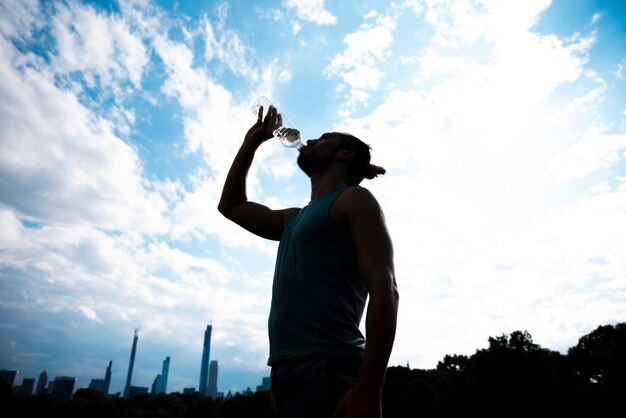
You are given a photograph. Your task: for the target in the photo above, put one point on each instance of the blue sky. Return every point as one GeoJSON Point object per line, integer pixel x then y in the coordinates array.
{"type": "Point", "coordinates": [502, 126]}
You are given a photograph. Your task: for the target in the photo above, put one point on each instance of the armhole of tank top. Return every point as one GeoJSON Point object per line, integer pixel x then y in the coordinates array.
{"type": "Point", "coordinates": [332, 204]}
{"type": "Point", "coordinates": [289, 216]}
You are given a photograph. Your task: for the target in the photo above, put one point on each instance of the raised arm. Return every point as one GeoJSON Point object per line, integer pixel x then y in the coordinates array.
{"type": "Point", "coordinates": [360, 210]}
{"type": "Point", "coordinates": [234, 203]}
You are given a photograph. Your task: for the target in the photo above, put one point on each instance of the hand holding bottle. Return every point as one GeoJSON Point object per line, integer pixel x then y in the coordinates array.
{"type": "Point", "coordinates": [286, 132]}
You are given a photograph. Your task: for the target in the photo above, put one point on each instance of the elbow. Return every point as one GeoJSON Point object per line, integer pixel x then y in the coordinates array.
{"type": "Point", "coordinates": [228, 211]}
{"type": "Point", "coordinates": [395, 293]}
{"type": "Point", "coordinates": [223, 209]}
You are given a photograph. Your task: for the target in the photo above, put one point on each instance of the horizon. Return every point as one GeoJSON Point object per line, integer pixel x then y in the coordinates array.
{"type": "Point", "coordinates": [502, 127]}
{"type": "Point", "coordinates": [255, 389]}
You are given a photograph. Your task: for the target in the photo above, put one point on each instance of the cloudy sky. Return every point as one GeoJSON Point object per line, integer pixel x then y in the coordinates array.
{"type": "Point", "coordinates": [502, 126]}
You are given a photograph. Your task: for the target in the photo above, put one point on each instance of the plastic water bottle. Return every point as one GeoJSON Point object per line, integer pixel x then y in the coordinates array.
{"type": "Point", "coordinates": [287, 132]}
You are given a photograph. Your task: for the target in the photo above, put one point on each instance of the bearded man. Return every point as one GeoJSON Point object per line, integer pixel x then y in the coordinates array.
{"type": "Point", "coordinates": [335, 256]}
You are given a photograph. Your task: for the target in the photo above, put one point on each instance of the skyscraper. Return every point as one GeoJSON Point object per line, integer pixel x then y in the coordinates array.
{"type": "Point", "coordinates": [27, 386]}
{"type": "Point", "coordinates": [267, 383]}
{"type": "Point", "coordinates": [161, 381]}
{"type": "Point", "coordinates": [212, 390]}
{"type": "Point", "coordinates": [204, 367]}
{"type": "Point", "coordinates": [41, 383]}
{"type": "Point", "coordinates": [63, 387]}
{"type": "Point", "coordinates": [155, 384]}
{"type": "Point", "coordinates": [131, 364]}
{"type": "Point", "coordinates": [9, 376]}
{"type": "Point", "coordinates": [97, 384]}
{"type": "Point", "coordinates": [107, 379]}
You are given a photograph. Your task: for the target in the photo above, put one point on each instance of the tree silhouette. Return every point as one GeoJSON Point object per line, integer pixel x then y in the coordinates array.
{"type": "Point", "coordinates": [599, 363]}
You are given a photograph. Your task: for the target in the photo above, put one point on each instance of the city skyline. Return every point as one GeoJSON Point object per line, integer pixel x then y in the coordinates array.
{"type": "Point", "coordinates": [209, 375]}
{"type": "Point", "coordinates": [501, 124]}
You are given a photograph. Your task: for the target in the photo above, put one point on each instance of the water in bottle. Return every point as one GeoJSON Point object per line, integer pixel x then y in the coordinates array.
{"type": "Point", "coordinates": [287, 132]}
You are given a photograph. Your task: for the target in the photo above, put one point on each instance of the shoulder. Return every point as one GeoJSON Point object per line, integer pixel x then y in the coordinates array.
{"type": "Point", "coordinates": [357, 194]}
{"type": "Point", "coordinates": [287, 212]}
{"type": "Point", "coordinates": [356, 201]}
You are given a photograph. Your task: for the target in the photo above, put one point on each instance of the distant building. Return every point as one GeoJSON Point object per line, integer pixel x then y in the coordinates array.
{"type": "Point", "coordinates": [160, 382]}
{"type": "Point", "coordinates": [212, 389]}
{"type": "Point", "coordinates": [63, 387]}
{"type": "Point", "coordinates": [136, 390]}
{"type": "Point", "coordinates": [189, 390]}
{"type": "Point", "coordinates": [9, 376]}
{"type": "Point", "coordinates": [265, 386]}
{"type": "Point", "coordinates": [97, 384]}
{"type": "Point", "coordinates": [107, 379]}
{"type": "Point", "coordinates": [203, 386]}
{"type": "Point", "coordinates": [131, 364]}
{"type": "Point", "coordinates": [161, 386]}
{"type": "Point", "coordinates": [27, 387]}
{"type": "Point", "coordinates": [41, 383]}
{"type": "Point", "coordinates": [155, 383]}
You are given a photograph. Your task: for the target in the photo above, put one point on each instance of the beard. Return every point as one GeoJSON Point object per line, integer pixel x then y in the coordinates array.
{"type": "Point", "coordinates": [311, 163]}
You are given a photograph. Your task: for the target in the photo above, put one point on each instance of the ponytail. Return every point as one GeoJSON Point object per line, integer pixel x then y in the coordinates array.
{"type": "Point", "coordinates": [360, 167]}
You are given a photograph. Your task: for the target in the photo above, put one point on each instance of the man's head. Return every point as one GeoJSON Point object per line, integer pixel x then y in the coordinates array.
{"type": "Point", "coordinates": [319, 154]}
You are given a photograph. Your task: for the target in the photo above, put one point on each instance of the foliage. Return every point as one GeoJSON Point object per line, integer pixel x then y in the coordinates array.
{"type": "Point", "coordinates": [515, 377]}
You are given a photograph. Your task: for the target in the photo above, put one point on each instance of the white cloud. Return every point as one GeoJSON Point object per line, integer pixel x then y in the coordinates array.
{"type": "Point", "coordinates": [89, 313]}
{"type": "Point", "coordinates": [596, 18]}
{"type": "Point", "coordinates": [589, 155]}
{"type": "Point", "coordinates": [19, 18]}
{"type": "Point", "coordinates": [61, 162]}
{"type": "Point", "coordinates": [284, 76]}
{"type": "Point", "coordinates": [191, 270]}
{"type": "Point", "coordinates": [295, 28]}
{"type": "Point", "coordinates": [125, 280]}
{"type": "Point", "coordinates": [312, 11]}
{"type": "Point", "coordinates": [100, 47]}
{"type": "Point", "coordinates": [484, 277]}
{"type": "Point", "coordinates": [270, 14]}
{"type": "Point", "coordinates": [358, 65]}
{"type": "Point", "coordinates": [227, 46]}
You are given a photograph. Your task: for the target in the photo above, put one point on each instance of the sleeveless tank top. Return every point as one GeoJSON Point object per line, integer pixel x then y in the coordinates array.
{"type": "Point", "coordinates": [318, 296]}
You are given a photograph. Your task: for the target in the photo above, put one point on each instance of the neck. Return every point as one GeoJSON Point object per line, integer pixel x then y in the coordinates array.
{"type": "Point", "coordinates": [325, 182]}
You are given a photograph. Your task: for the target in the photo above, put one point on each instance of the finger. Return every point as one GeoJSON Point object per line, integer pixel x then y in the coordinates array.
{"type": "Point", "coordinates": [271, 112]}
{"type": "Point", "coordinates": [280, 120]}
{"type": "Point", "coordinates": [268, 122]}
{"type": "Point", "coordinates": [260, 116]}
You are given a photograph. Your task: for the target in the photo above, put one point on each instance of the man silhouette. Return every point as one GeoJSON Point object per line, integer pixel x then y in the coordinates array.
{"type": "Point", "coordinates": [333, 254]}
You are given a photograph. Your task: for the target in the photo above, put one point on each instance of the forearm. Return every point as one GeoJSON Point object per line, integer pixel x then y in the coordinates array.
{"type": "Point", "coordinates": [380, 329]}
{"type": "Point", "coordinates": [234, 191]}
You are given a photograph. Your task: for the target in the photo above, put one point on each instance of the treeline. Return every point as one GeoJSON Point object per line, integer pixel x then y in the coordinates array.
{"type": "Point", "coordinates": [513, 377]}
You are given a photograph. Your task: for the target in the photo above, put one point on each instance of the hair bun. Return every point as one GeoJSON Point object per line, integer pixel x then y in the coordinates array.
{"type": "Point", "coordinates": [374, 171]}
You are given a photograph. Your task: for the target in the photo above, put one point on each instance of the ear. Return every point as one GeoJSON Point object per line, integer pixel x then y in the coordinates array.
{"type": "Point", "coordinates": [345, 154]}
